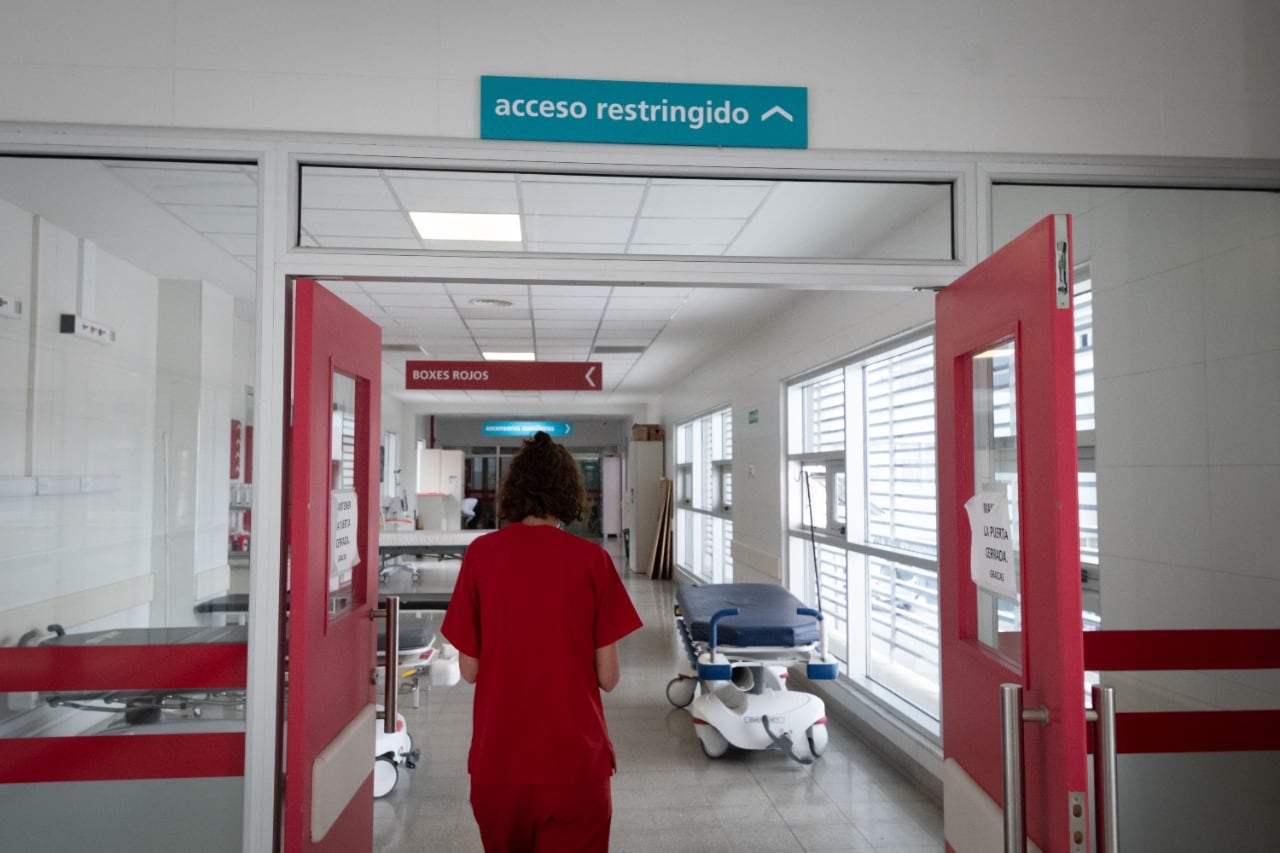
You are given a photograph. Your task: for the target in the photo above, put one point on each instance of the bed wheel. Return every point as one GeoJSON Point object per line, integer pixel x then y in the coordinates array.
{"type": "Point", "coordinates": [817, 738]}
{"type": "Point", "coordinates": [712, 742]}
{"type": "Point", "coordinates": [385, 776]}
{"type": "Point", "coordinates": [680, 690]}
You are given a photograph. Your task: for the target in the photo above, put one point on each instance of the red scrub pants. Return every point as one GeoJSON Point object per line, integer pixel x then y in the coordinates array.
{"type": "Point", "coordinates": [543, 818]}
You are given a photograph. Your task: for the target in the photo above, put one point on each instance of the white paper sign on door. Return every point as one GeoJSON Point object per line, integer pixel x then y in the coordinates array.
{"type": "Point", "coordinates": [343, 555]}
{"type": "Point", "coordinates": [991, 554]}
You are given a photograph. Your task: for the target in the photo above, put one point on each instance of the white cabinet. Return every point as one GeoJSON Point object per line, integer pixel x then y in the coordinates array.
{"type": "Point", "coordinates": [611, 496]}
{"type": "Point", "coordinates": [440, 489]}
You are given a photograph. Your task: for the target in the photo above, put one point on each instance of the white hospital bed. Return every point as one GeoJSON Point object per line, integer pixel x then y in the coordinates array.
{"type": "Point", "coordinates": [741, 638]}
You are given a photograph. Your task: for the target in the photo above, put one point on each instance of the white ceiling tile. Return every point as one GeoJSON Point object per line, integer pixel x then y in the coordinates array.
{"type": "Point", "coordinates": [624, 338]}
{"type": "Point", "coordinates": [219, 220]}
{"type": "Point", "coordinates": [518, 295]}
{"type": "Point", "coordinates": [581, 229]}
{"type": "Point", "coordinates": [686, 230]}
{"type": "Point", "coordinates": [356, 223]}
{"type": "Point", "coordinates": [712, 199]}
{"type": "Point", "coordinates": [391, 301]}
{"type": "Point", "coordinates": [485, 325]}
{"type": "Point", "coordinates": [192, 183]}
{"type": "Point", "coordinates": [416, 287]}
{"type": "Point", "coordinates": [578, 291]}
{"type": "Point", "coordinates": [581, 199]}
{"type": "Point", "coordinates": [309, 240]}
{"type": "Point", "coordinates": [240, 245]}
{"type": "Point", "coordinates": [576, 303]}
{"type": "Point", "coordinates": [351, 190]}
{"type": "Point", "coordinates": [464, 194]}
{"type": "Point", "coordinates": [566, 314]}
{"type": "Point", "coordinates": [613, 316]}
{"type": "Point", "coordinates": [563, 334]}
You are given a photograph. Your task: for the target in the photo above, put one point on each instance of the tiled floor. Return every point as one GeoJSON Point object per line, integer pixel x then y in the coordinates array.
{"type": "Point", "coordinates": [667, 795]}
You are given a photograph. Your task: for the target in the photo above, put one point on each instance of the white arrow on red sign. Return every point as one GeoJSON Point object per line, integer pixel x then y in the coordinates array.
{"type": "Point", "coordinates": [502, 376]}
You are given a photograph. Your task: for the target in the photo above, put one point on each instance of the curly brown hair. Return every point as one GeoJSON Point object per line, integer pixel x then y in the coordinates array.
{"type": "Point", "coordinates": [543, 480]}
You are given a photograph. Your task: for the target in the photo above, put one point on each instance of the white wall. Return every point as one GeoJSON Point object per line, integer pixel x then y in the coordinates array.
{"type": "Point", "coordinates": [193, 447]}
{"type": "Point", "coordinates": [1183, 78]}
{"type": "Point", "coordinates": [809, 329]}
{"type": "Point", "coordinates": [1187, 330]}
{"type": "Point", "coordinates": [78, 557]}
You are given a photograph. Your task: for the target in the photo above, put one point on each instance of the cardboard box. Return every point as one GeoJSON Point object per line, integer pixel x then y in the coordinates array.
{"type": "Point", "coordinates": [648, 432]}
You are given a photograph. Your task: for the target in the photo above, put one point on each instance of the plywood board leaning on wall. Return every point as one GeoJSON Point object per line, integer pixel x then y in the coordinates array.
{"type": "Point", "coordinates": [661, 562]}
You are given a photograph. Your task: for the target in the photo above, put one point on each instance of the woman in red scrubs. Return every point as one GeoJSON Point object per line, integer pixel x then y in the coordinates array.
{"type": "Point", "coordinates": [536, 616]}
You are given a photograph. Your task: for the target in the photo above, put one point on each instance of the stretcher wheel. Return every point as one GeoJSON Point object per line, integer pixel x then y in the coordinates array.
{"type": "Point", "coordinates": [817, 738]}
{"type": "Point", "coordinates": [385, 776]}
{"type": "Point", "coordinates": [680, 690]}
{"type": "Point", "coordinates": [712, 742]}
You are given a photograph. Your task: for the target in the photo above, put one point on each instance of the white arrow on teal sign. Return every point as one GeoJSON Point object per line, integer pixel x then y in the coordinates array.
{"type": "Point", "coordinates": [525, 428]}
{"type": "Point", "coordinates": [552, 109]}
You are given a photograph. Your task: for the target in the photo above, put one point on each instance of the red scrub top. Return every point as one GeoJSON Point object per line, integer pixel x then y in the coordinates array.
{"type": "Point", "coordinates": [532, 604]}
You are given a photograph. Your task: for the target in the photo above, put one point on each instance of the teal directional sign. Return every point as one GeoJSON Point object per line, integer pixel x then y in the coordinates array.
{"type": "Point", "coordinates": [553, 109]}
{"type": "Point", "coordinates": [526, 427]}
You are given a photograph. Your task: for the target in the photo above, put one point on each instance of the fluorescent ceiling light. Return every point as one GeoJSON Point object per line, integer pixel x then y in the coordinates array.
{"type": "Point", "coordinates": [508, 356]}
{"type": "Point", "coordinates": [489, 227]}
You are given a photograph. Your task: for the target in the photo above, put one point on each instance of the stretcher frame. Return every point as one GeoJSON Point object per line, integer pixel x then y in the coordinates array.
{"type": "Point", "coordinates": [738, 694]}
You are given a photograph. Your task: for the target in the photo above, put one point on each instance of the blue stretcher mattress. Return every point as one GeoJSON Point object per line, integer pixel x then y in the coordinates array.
{"type": "Point", "coordinates": [767, 615]}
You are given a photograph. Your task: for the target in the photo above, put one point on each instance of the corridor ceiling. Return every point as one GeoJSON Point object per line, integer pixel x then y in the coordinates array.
{"type": "Point", "coordinates": [200, 221]}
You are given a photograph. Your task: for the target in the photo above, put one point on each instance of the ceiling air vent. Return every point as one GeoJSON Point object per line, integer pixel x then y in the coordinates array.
{"type": "Point", "coordinates": [607, 350]}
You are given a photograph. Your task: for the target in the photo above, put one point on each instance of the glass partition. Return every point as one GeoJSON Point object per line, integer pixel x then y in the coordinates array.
{"type": "Point", "coordinates": [433, 210]}
{"type": "Point", "coordinates": [127, 463]}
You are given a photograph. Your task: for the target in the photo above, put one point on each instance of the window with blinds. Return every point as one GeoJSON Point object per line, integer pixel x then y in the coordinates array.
{"type": "Point", "coordinates": [862, 503]}
{"type": "Point", "coordinates": [704, 496]}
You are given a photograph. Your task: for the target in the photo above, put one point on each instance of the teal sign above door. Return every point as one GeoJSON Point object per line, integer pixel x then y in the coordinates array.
{"type": "Point", "coordinates": [554, 109]}
{"type": "Point", "coordinates": [519, 428]}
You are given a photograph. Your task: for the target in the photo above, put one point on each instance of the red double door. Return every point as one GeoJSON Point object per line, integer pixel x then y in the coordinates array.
{"type": "Point", "coordinates": [334, 442]}
{"type": "Point", "coordinates": [1009, 552]}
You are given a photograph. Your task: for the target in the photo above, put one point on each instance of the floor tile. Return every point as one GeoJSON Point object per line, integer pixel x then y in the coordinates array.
{"type": "Point", "coordinates": [668, 796]}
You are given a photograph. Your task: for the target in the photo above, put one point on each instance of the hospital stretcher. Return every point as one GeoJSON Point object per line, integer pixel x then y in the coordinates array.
{"type": "Point", "coordinates": [741, 639]}
{"type": "Point", "coordinates": [443, 544]}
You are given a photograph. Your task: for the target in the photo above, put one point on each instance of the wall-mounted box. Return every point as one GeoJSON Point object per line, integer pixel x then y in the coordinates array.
{"type": "Point", "coordinates": [10, 308]}
{"type": "Point", "coordinates": [89, 330]}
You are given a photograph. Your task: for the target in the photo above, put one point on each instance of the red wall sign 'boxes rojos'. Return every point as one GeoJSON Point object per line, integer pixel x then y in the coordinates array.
{"type": "Point", "coordinates": [502, 376]}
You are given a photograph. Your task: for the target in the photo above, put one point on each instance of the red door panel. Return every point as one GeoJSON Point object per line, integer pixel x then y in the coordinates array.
{"type": "Point", "coordinates": [1006, 429]}
{"type": "Point", "coordinates": [333, 454]}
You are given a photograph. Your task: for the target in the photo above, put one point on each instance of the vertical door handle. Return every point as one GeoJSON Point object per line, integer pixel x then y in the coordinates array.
{"type": "Point", "coordinates": [390, 662]}
{"type": "Point", "coordinates": [1104, 768]}
{"type": "Point", "coordinates": [1012, 716]}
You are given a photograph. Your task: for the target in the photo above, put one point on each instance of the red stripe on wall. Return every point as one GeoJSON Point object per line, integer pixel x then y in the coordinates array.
{"type": "Point", "coordinates": [1179, 650]}
{"type": "Point", "coordinates": [96, 758]}
{"type": "Point", "coordinates": [1197, 731]}
{"type": "Point", "coordinates": [159, 667]}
